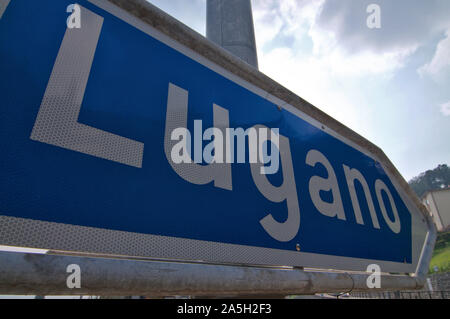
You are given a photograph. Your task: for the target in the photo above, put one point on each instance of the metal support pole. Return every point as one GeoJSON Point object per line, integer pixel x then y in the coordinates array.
{"type": "Point", "coordinates": [427, 252]}
{"type": "Point", "coordinates": [229, 23]}
{"type": "Point", "coordinates": [22, 273]}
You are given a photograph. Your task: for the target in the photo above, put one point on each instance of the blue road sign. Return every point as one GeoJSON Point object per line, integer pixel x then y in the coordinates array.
{"type": "Point", "coordinates": [87, 120]}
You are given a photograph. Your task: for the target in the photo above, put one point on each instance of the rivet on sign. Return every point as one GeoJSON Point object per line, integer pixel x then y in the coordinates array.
{"type": "Point", "coordinates": [323, 127]}
{"type": "Point", "coordinates": [297, 247]}
{"type": "Point", "coordinates": [279, 107]}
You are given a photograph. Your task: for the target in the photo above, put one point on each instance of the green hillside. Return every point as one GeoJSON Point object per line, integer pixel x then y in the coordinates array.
{"type": "Point", "coordinates": [441, 254]}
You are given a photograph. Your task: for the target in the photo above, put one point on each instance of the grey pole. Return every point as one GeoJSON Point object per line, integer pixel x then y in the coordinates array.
{"type": "Point", "coordinates": [22, 273]}
{"type": "Point", "coordinates": [229, 23]}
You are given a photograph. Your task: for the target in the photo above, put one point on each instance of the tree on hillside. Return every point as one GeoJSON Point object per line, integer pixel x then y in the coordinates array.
{"type": "Point", "coordinates": [437, 178]}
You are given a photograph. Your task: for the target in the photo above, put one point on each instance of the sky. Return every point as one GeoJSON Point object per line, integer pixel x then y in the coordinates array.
{"type": "Point", "coordinates": [389, 84]}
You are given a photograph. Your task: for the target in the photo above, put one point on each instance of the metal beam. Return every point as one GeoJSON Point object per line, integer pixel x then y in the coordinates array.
{"type": "Point", "coordinates": [25, 274]}
{"type": "Point", "coordinates": [427, 252]}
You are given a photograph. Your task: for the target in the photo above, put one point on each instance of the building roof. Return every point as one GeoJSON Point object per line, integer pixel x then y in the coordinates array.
{"type": "Point", "coordinates": [436, 191]}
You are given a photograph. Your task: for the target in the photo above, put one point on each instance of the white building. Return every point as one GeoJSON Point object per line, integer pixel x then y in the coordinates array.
{"type": "Point", "coordinates": [438, 204]}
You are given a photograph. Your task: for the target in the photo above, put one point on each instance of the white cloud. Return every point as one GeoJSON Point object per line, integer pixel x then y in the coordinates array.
{"type": "Point", "coordinates": [365, 62]}
{"type": "Point", "coordinates": [440, 63]}
{"type": "Point", "coordinates": [320, 75]}
{"type": "Point", "coordinates": [288, 18]}
{"type": "Point", "coordinates": [406, 24]}
{"type": "Point", "coordinates": [268, 23]}
{"type": "Point", "coordinates": [294, 21]}
{"type": "Point", "coordinates": [445, 108]}
{"type": "Point", "coordinates": [311, 79]}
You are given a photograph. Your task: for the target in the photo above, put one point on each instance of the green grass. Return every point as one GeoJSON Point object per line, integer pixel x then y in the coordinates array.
{"type": "Point", "coordinates": [441, 254]}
